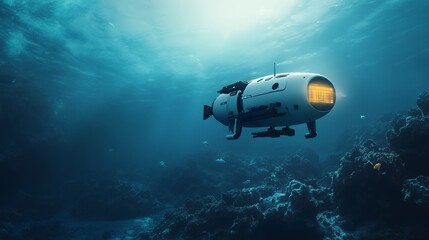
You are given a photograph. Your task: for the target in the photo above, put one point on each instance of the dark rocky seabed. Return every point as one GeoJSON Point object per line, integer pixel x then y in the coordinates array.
{"type": "Point", "coordinates": [295, 197]}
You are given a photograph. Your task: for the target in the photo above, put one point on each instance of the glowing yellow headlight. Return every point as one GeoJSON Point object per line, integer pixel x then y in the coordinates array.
{"type": "Point", "coordinates": [321, 94]}
{"type": "Point", "coordinates": [318, 93]}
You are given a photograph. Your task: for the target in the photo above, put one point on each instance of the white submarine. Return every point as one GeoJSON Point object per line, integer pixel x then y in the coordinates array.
{"type": "Point", "coordinates": [278, 100]}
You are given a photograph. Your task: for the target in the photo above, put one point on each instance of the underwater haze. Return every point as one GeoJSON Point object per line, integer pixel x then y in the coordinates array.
{"type": "Point", "coordinates": [102, 133]}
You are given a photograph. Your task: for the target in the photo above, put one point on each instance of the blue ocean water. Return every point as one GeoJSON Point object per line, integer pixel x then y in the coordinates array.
{"type": "Point", "coordinates": [101, 104]}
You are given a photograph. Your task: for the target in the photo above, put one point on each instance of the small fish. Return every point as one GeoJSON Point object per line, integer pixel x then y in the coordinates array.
{"type": "Point", "coordinates": [362, 116]}
{"type": "Point", "coordinates": [205, 142]}
{"type": "Point", "coordinates": [162, 164]}
{"type": "Point", "coordinates": [377, 166]}
{"type": "Point", "coordinates": [220, 160]}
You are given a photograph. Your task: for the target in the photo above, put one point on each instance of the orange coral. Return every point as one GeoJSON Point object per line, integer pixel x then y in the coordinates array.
{"type": "Point", "coordinates": [377, 166]}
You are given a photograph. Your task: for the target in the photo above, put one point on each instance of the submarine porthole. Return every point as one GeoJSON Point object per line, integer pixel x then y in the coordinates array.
{"type": "Point", "coordinates": [275, 86]}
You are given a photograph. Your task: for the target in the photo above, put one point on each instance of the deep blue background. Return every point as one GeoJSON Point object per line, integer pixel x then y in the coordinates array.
{"type": "Point", "coordinates": [115, 87]}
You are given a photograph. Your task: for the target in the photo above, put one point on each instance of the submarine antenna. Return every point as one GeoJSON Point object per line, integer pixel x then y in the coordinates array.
{"type": "Point", "coordinates": [274, 69]}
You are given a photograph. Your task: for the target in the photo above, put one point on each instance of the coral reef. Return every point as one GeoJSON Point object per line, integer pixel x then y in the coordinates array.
{"type": "Point", "coordinates": [280, 198]}
{"type": "Point", "coordinates": [250, 213]}
{"type": "Point", "coordinates": [423, 103]}
{"type": "Point", "coordinates": [409, 137]}
{"type": "Point", "coordinates": [330, 223]}
{"type": "Point", "coordinates": [416, 190]}
{"type": "Point", "coordinates": [362, 192]}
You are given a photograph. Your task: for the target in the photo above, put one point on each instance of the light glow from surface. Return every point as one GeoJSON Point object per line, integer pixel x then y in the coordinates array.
{"type": "Point", "coordinates": [212, 37]}
{"type": "Point", "coordinates": [228, 17]}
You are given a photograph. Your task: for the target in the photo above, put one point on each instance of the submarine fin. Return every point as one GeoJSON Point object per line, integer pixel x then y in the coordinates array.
{"type": "Point", "coordinates": [208, 111]}
{"type": "Point", "coordinates": [311, 130]}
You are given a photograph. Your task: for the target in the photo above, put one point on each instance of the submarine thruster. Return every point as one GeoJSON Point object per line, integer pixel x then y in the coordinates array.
{"type": "Point", "coordinates": [279, 100]}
